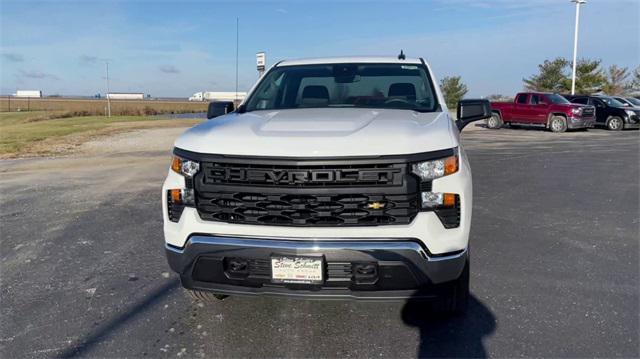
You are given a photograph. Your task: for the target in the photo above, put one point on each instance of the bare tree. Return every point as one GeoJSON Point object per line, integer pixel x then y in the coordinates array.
{"type": "Point", "coordinates": [616, 80]}
{"type": "Point", "coordinates": [634, 84]}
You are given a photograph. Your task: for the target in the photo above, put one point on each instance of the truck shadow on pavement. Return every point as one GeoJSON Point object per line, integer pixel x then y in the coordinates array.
{"type": "Point", "coordinates": [447, 337]}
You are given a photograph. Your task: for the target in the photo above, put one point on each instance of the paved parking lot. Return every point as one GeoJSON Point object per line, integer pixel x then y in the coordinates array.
{"type": "Point", "coordinates": [555, 264]}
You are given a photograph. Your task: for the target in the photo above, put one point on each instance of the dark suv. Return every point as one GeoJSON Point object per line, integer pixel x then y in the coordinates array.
{"type": "Point", "coordinates": [610, 112]}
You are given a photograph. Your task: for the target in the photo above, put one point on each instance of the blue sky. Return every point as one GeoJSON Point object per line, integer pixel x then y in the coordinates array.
{"type": "Point", "coordinates": [176, 48]}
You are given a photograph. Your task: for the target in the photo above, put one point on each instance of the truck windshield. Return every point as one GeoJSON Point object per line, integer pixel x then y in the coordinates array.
{"type": "Point", "coordinates": [393, 86]}
{"type": "Point", "coordinates": [557, 99]}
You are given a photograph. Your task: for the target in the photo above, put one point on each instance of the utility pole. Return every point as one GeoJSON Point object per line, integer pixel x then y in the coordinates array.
{"type": "Point", "coordinates": [575, 44]}
{"type": "Point", "coordinates": [108, 100]}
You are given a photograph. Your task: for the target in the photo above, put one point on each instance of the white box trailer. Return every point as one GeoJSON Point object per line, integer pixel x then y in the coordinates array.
{"type": "Point", "coordinates": [29, 93]}
{"type": "Point", "coordinates": [217, 96]}
{"type": "Point", "coordinates": [125, 96]}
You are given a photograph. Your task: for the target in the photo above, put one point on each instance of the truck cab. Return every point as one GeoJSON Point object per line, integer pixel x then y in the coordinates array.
{"type": "Point", "coordinates": [541, 109]}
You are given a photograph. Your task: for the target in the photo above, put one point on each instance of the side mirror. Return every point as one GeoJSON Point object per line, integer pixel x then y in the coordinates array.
{"type": "Point", "coordinates": [472, 110]}
{"type": "Point", "coordinates": [219, 108]}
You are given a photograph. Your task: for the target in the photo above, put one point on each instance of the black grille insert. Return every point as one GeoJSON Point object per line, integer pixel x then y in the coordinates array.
{"type": "Point", "coordinates": [307, 210]}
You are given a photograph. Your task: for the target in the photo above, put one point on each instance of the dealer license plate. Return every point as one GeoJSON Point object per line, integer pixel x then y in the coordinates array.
{"type": "Point", "coordinates": [306, 270]}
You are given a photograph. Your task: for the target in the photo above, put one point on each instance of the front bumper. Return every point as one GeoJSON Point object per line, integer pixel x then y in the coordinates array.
{"type": "Point", "coordinates": [403, 267]}
{"type": "Point", "coordinates": [579, 122]}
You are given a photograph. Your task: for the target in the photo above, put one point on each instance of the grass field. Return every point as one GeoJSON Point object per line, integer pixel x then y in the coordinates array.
{"type": "Point", "coordinates": [25, 134]}
{"type": "Point", "coordinates": [84, 107]}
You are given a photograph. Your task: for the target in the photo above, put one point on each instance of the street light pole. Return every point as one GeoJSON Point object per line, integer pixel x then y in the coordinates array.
{"type": "Point", "coordinates": [108, 100]}
{"type": "Point", "coordinates": [575, 44]}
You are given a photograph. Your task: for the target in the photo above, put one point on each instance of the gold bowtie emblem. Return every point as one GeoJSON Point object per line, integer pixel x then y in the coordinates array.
{"type": "Point", "coordinates": [375, 205]}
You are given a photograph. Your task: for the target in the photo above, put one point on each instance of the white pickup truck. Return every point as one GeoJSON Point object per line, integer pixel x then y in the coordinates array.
{"type": "Point", "coordinates": [335, 178]}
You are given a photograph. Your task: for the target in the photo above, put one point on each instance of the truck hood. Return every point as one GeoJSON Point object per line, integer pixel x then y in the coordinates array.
{"type": "Point", "coordinates": [321, 132]}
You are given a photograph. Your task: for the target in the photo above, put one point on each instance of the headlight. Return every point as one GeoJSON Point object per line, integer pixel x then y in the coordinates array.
{"type": "Point", "coordinates": [630, 113]}
{"type": "Point", "coordinates": [184, 166]}
{"type": "Point", "coordinates": [576, 111]}
{"type": "Point", "coordinates": [429, 170]}
{"type": "Point", "coordinates": [437, 199]}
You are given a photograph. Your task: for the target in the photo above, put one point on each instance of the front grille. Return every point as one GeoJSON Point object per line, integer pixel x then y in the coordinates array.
{"type": "Point", "coordinates": [364, 192]}
{"type": "Point", "coordinates": [356, 191]}
{"type": "Point", "coordinates": [358, 209]}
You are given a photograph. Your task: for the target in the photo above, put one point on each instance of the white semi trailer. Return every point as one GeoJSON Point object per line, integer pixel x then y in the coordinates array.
{"type": "Point", "coordinates": [29, 93]}
{"type": "Point", "coordinates": [217, 96]}
{"type": "Point", "coordinates": [125, 96]}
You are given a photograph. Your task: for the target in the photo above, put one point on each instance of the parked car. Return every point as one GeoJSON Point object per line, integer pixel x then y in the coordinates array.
{"type": "Point", "coordinates": [628, 101]}
{"type": "Point", "coordinates": [610, 112]}
{"type": "Point", "coordinates": [336, 178]}
{"type": "Point", "coordinates": [634, 101]}
{"type": "Point", "coordinates": [541, 109]}
{"type": "Point", "coordinates": [624, 101]}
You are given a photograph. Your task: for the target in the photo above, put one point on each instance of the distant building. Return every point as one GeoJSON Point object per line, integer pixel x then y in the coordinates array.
{"type": "Point", "coordinates": [125, 96]}
{"type": "Point", "coordinates": [29, 93]}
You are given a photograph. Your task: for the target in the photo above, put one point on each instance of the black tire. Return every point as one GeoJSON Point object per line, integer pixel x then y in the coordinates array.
{"type": "Point", "coordinates": [614, 123]}
{"type": "Point", "coordinates": [558, 124]}
{"type": "Point", "coordinates": [495, 121]}
{"type": "Point", "coordinates": [205, 297]}
{"type": "Point", "coordinates": [455, 298]}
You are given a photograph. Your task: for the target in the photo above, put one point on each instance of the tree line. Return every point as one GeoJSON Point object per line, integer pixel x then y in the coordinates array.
{"type": "Point", "coordinates": [555, 76]}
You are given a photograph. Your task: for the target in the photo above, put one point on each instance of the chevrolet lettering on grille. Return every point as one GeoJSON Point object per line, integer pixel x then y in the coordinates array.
{"type": "Point", "coordinates": [382, 176]}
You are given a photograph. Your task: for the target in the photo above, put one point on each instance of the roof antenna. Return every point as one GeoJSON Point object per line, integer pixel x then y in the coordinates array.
{"type": "Point", "coordinates": [401, 56]}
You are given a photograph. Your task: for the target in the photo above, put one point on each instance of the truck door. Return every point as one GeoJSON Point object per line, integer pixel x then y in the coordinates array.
{"type": "Point", "coordinates": [538, 109]}
{"type": "Point", "coordinates": [601, 110]}
{"type": "Point", "coordinates": [521, 108]}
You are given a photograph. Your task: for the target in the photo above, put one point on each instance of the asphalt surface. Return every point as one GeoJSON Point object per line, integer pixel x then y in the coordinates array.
{"type": "Point", "coordinates": [555, 264]}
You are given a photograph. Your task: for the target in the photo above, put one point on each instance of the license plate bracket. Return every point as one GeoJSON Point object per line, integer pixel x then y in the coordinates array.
{"type": "Point", "coordinates": [297, 269]}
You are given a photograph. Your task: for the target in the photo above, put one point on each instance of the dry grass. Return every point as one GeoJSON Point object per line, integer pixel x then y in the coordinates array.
{"type": "Point", "coordinates": [86, 107]}
{"type": "Point", "coordinates": [25, 134]}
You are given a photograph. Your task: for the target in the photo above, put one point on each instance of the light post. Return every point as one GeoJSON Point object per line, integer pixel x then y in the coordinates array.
{"type": "Point", "coordinates": [575, 44]}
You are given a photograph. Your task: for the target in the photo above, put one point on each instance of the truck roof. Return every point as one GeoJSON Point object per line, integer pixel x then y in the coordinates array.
{"type": "Point", "coordinates": [342, 60]}
{"type": "Point", "coordinates": [539, 92]}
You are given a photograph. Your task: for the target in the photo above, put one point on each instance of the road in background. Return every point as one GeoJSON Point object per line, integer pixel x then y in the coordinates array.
{"type": "Point", "coordinates": [555, 262]}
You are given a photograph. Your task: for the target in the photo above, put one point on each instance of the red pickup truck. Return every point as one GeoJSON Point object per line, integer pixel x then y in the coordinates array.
{"type": "Point", "coordinates": [542, 109]}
